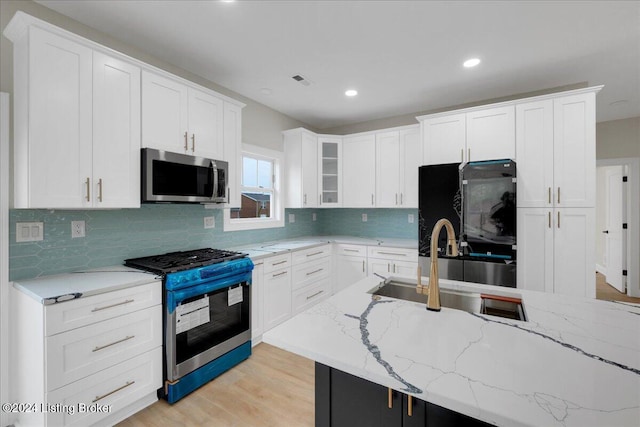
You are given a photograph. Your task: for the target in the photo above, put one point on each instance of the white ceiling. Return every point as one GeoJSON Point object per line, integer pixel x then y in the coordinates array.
{"type": "Point", "coordinates": [402, 56]}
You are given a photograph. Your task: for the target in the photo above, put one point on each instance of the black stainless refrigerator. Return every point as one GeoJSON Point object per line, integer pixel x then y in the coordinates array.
{"type": "Point", "coordinates": [479, 198]}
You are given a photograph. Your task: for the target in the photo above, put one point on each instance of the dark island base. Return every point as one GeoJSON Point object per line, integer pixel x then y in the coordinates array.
{"type": "Point", "coordinates": [346, 400]}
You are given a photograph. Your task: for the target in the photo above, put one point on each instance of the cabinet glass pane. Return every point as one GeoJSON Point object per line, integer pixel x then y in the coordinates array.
{"type": "Point", "coordinates": [329, 166]}
{"type": "Point", "coordinates": [329, 197]}
{"type": "Point", "coordinates": [330, 183]}
{"type": "Point", "coordinates": [330, 149]}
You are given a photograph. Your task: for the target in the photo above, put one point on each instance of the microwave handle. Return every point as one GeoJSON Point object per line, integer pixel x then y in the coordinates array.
{"type": "Point", "coordinates": [215, 180]}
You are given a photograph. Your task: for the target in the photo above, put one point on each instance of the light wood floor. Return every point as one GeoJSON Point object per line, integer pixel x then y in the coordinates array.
{"type": "Point", "coordinates": [607, 292]}
{"type": "Point", "coordinates": [271, 388]}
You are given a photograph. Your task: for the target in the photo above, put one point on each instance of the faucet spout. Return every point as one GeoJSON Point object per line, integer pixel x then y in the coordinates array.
{"type": "Point", "coordinates": [433, 290]}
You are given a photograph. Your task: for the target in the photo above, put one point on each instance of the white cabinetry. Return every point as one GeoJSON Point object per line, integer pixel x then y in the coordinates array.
{"type": "Point", "coordinates": [233, 151]}
{"type": "Point", "coordinates": [410, 162]}
{"type": "Point", "coordinates": [480, 134]}
{"type": "Point", "coordinates": [76, 111]}
{"type": "Point", "coordinates": [351, 265]}
{"type": "Point", "coordinates": [301, 163]}
{"type": "Point", "coordinates": [104, 349]}
{"type": "Point", "coordinates": [359, 171]}
{"type": "Point", "coordinates": [257, 302]}
{"type": "Point", "coordinates": [330, 171]}
{"type": "Point", "coordinates": [277, 290]}
{"type": "Point", "coordinates": [181, 119]}
{"type": "Point", "coordinates": [311, 277]}
{"type": "Point", "coordinates": [388, 261]}
{"type": "Point", "coordinates": [555, 158]}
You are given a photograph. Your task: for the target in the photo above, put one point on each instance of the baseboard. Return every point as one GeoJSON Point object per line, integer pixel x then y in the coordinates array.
{"type": "Point", "coordinates": [600, 269]}
{"type": "Point", "coordinates": [129, 410]}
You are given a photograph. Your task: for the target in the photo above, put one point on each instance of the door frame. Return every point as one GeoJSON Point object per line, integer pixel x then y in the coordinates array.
{"type": "Point", "coordinates": [4, 255]}
{"type": "Point", "coordinates": [633, 219]}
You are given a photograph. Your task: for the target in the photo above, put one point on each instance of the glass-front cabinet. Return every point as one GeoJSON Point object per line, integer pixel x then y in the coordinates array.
{"type": "Point", "coordinates": [330, 167]}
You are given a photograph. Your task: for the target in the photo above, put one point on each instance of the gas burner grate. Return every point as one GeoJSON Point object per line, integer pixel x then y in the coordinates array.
{"type": "Point", "coordinates": [183, 260]}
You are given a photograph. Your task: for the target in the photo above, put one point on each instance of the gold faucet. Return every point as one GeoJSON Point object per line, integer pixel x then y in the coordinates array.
{"type": "Point", "coordinates": [433, 289]}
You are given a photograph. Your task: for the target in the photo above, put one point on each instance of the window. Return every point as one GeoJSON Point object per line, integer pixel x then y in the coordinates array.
{"type": "Point", "coordinates": [260, 204]}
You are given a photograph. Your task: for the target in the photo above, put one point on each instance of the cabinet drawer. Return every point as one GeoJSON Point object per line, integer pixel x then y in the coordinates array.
{"type": "Point", "coordinates": [299, 257]}
{"type": "Point", "coordinates": [310, 272]}
{"type": "Point", "coordinates": [85, 311]}
{"type": "Point", "coordinates": [351, 250]}
{"type": "Point", "coordinates": [400, 254]}
{"type": "Point", "coordinates": [311, 295]}
{"type": "Point", "coordinates": [75, 354]}
{"type": "Point", "coordinates": [117, 386]}
{"type": "Point", "coordinates": [277, 262]}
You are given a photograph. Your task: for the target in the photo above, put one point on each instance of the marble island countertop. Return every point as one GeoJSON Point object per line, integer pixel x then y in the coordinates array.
{"type": "Point", "coordinates": [575, 362]}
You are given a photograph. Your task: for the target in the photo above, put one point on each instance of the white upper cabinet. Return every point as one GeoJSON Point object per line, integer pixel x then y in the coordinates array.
{"type": "Point", "coordinates": [359, 171]}
{"type": "Point", "coordinates": [484, 134]}
{"type": "Point", "coordinates": [555, 152]}
{"type": "Point", "coordinates": [491, 134]}
{"type": "Point", "coordinates": [301, 165]}
{"type": "Point", "coordinates": [387, 169]}
{"type": "Point", "coordinates": [574, 166]}
{"type": "Point", "coordinates": [181, 119]}
{"type": "Point", "coordinates": [77, 125]}
{"type": "Point", "coordinates": [330, 171]}
{"type": "Point", "coordinates": [116, 132]}
{"type": "Point", "coordinates": [410, 162]}
{"type": "Point", "coordinates": [233, 151]}
{"type": "Point", "coordinates": [534, 153]}
{"type": "Point", "coordinates": [444, 139]}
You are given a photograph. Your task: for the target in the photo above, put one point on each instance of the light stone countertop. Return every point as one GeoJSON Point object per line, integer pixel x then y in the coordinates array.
{"type": "Point", "coordinates": [576, 362]}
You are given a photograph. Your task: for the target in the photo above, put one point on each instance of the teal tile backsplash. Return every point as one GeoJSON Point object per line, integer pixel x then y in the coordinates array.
{"type": "Point", "coordinates": [115, 235]}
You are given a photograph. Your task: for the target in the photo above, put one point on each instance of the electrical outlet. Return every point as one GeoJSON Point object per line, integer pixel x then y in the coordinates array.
{"type": "Point", "coordinates": [77, 229]}
{"type": "Point", "coordinates": [364, 217]}
{"type": "Point", "coordinates": [209, 222]}
{"type": "Point", "coordinates": [410, 219]}
{"type": "Point", "coordinates": [29, 231]}
{"type": "Point", "coordinates": [292, 218]}
{"type": "Point", "coordinates": [313, 217]}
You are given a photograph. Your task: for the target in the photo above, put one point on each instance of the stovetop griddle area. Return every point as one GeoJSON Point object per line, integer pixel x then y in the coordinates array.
{"type": "Point", "coordinates": [182, 260]}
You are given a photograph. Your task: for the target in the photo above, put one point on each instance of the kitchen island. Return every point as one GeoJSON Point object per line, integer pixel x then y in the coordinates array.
{"type": "Point", "coordinates": [575, 362]}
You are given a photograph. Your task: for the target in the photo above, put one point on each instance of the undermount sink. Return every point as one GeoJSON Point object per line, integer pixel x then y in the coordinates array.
{"type": "Point", "coordinates": [471, 302]}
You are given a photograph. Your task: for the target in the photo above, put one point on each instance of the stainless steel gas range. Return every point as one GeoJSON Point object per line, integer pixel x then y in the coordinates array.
{"type": "Point", "coordinates": [207, 315]}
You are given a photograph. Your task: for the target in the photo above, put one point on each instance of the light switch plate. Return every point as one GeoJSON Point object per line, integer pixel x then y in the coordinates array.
{"type": "Point", "coordinates": [29, 231]}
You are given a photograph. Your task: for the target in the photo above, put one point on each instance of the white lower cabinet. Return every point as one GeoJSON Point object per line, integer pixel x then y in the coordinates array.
{"type": "Point", "coordinates": [257, 302]}
{"type": "Point", "coordinates": [107, 355]}
{"type": "Point", "coordinates": [351, 265]}
{"type": "Point", "coordinates": [556, 251]}
{"type": "Point", "coordinates": [277, 291]}
{"type": "Point", "coordinates": [388, 261]}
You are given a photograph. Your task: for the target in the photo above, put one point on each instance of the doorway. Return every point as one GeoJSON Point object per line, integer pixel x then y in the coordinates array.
{"type": "Point", "coordinates": [617, 204]}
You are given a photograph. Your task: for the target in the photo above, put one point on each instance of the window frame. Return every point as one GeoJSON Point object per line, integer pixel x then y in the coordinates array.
{"type": "Point", "coordinates": [277, 202]}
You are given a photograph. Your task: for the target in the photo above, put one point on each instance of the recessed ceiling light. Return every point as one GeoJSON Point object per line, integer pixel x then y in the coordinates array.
{"type": "Point", "coordinates": [471, 62]}
{"type": "Point", "coordinates": [266, 91]}
{"type": "Point", "coordinates": [351, 92]}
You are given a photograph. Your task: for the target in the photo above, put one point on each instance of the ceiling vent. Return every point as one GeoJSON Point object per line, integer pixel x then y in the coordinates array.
{"type": "Point", "coordinates": [300, 79]}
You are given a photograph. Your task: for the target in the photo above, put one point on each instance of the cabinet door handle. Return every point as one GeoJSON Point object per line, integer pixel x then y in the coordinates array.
{"type": "Point", "coordinates": [372, 200]}
{"type": "Point", "coordinates": [315, 253]}
{"type": "Point", "coordinates": [320, 197]}
{"type": "Point", "coordinates": [315, 271]}
{"type": "Point", "coordinates": [314, 295]}
{"type": "Point", "coordinates": [401, 202]}
{"type": "Point", "coordinates": [549, 219]}
{"type": "Point", "coordinates": [193, 142]}
{"type": "Point", "coordinates": [88, 184]}
{"type": "Point", "coordinates": [279, 262]}
{"type": "Point", "coordinates": [392, 253]}
{"type": "Point", "coordinates": [100, 189]}
{"type": "Point", "coordinates": [461, 155]}
{"type": "Point", "coordinates": [186, 142]}
{"type": "Point", "coordinates": [351, 250]}
{"type": "Point", "coordinates": [304, 199]}
{"type": "Point", "coordinates": [102, 347]}
{"type": "Point", "coordinates": [112, 305]}
{"type": "Point", "coordinates": [388, 268]}
{"type": "Point", "coordinates": [549, 195]}
{"type": "Point", "coordinates": [558, 195]}
{"type": "Point", "coordinates": [363, 266]}
{"type": "Point", "coordinates": [394, 268]}
{"type": "Point", "coordinates": [468, 154]}
{"type": "Point", "coordinates": [410, 406]}
{"type": "Point", "coordinates": [396, 198]}
{"type": "Point", "coordinates": [390, 398]}
{"type": "Point", "coordinates": [113, 391]}
{"type": "Point", "coordinates": [228, 195]}
{"type": "Point", "coordinates": [558, 219]}
{"type": "Point", "coordinates": [279, 274]}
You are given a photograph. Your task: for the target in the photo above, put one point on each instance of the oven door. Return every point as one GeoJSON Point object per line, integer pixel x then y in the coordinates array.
{"type": "Point", "coordinates": [204, 322]}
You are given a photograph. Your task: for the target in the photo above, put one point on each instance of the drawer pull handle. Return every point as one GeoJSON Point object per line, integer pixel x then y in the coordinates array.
{"type": "Point", "coordinates": [114, 391]}
{"type": "Point", "coordinates": [390, 398]}
{"type": "Point", "coordinates": [280, 274]}
{"type": "Point", "coordinates": [392, 253]}
{"type": "Point", "coordinates": [410, 406]}
{"type": "Point", "coordinates": [351, 250]}
{"type": "Point", "coordinates": [315, 271]}
{"type": "Point", "coordinates": [314, 295]}
{"type": "Point", "coordinates": [257, 264]}
{"type": "Point", "coordinates": [280, 262]}
{"type": "Point", "coordinates": [112, 305]}
{"type": "Point", "coordinates": [315, 253]}
{"type": "Point", "coordinates": [102, 347]}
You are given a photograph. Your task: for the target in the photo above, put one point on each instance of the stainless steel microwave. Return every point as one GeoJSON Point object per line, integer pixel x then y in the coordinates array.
{"type": "Point", "coordinates": [180, 178]}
